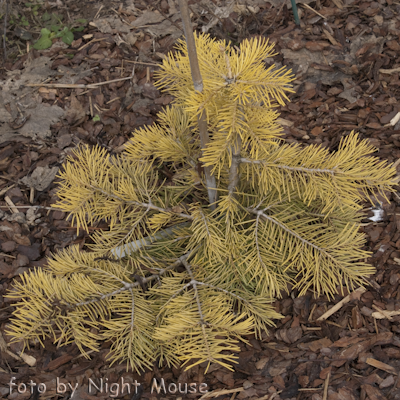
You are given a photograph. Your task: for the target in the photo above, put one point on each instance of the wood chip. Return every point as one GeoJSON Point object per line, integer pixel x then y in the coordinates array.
{"type": "Point", "coordinates": [54, 364]}
{"type": "Point", "coordinates": [11, 205]}
{"type": "Point", "coordinates": [338, 4]}
{"type": "Point", "coordinates": [330, 37]}
{"type": "Point", "coordinates": [6, 189]}
{"type": "Point", "coordinates": [310, 8]}
{"type": "Point", "coordinates": [382, 314]}
{"type": "Point", "coordinates": [352, 296]}
{"type": "Point", "coordinates": [220, 392]}
{"type": "Point", "coordinates": [389, 71]}
{"type": "Point", "coordinates": [380, 365]}
{"type": "Point", "coordinates": [285, 122]}
{"type": "Point", "coordinates": [31, 361]}
{"type": "Point", "coordinates": [395, 119]}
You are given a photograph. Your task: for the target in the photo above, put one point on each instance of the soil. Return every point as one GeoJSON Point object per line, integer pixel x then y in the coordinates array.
{"type": "Point", "coordinates": [345, 54]}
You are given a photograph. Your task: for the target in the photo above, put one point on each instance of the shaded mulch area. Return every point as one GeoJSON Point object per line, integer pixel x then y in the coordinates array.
{"type": "Point", "coordinates": [346, 60]}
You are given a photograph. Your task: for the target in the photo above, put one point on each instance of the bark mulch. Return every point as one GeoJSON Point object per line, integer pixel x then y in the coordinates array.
{"type": "Point", "coordinates": [346, 58]}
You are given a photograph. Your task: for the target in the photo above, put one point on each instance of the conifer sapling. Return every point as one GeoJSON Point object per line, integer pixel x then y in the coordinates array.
{"type": "Point", "coordinates": [176, 279]}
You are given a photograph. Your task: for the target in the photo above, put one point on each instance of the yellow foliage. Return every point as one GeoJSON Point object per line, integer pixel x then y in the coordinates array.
{"type": "Point", "coordinates": [172, 279]}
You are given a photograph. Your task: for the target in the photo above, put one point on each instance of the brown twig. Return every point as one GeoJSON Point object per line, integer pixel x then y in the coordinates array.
{"type": "Point", "coordinates": [234, 169]}
{"type": "Point", "coordinates": [143, 63]}
{"type": "Point", "coordinates": [220, 392]}
{"type": "Point", "coordinates": [76, 85]}
{"type": "Point", "coordinates": [358, 292]}
{"type": "Point", "coordinates": [6, 255]}
{"type": "Point", "coordinates": [41, 207]}
{"type": "Point", "coordinates": [31, 361]}
{"type": "Point", "coordinates": [198, 86]}
{"type": "Point", "coordinates": [325, 396]}
{"type": "Point", "coordinates": [316, 12]}
{"type": "Point", "coordinates": [390, 71]}
{"type": "Point", "coordinates": [92, 41]}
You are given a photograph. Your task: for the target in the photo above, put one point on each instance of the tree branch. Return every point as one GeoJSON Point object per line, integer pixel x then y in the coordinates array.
{"type": "Point", "coordinates": [132, 309]}
{"type": "Point", "coordinates": [198, 86]}
{"type": "Point", "coordinates": [131, 285]}
{"type": "Point", "coordinates": [234, 169]}
{"type": "Point", "coordinates": [196, 294]}
{"type": "Point", "coordinates": [133, 227]}
{"type": "Point", "coordinates": [194, 282]}
{"type": "Point", "coordinates": [257, 245]}
{"type": "Point", "coordinates": [285, 228]}
{"type": "Point", "coordinates": [149, 205]}
{"type": "Point", "coordinates": [295, 169]}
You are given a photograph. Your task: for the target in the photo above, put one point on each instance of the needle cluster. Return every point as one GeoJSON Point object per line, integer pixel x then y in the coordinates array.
{"type": "Point", "coordinates": [174, 278]}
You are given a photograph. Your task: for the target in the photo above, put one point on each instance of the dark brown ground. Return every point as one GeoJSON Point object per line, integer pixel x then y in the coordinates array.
{"type": "Point", "coordinates": [346, 59]}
